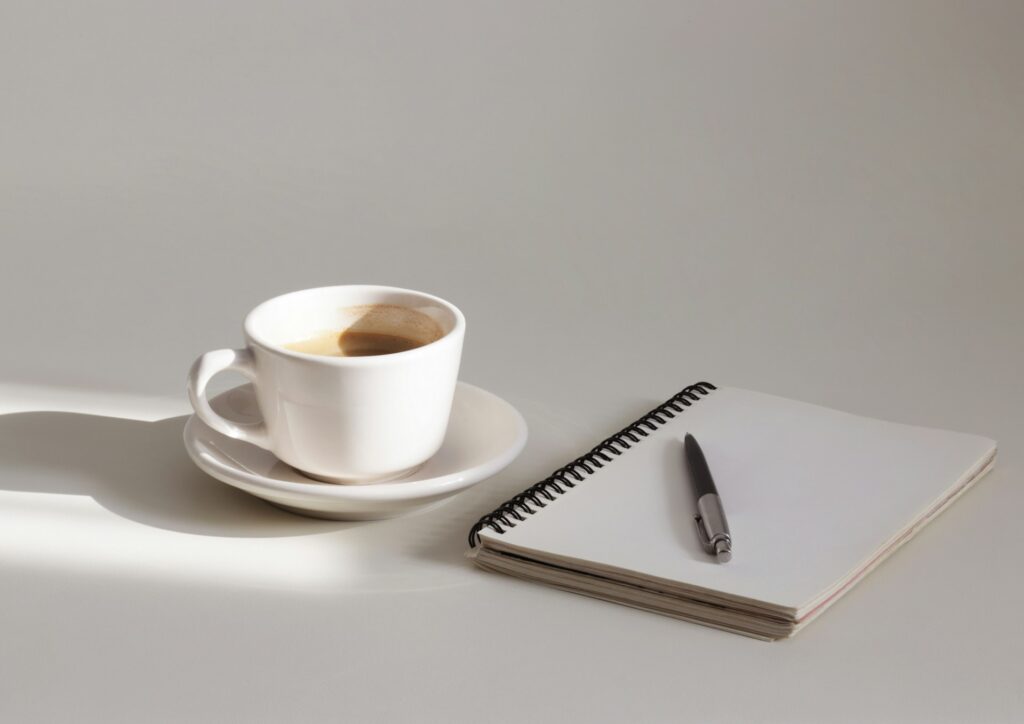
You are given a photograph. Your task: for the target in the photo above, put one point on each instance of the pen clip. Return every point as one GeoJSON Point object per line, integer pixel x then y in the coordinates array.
{"type": "Point", "coordinates": [702, 534]}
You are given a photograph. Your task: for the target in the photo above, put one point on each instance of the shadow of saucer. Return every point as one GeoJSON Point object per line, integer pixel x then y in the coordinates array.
{"type": "Point", "coordinates": [138, 470]}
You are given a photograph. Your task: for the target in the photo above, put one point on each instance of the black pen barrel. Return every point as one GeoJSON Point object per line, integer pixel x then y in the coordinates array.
{"type": "Point", "coordinates": [703, 483]}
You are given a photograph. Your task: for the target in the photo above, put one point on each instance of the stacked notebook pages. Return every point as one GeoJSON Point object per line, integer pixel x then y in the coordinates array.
{"type": "Point", "coordinates": [816, 499]}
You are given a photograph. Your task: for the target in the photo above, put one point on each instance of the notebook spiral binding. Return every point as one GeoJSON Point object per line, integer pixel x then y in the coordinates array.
{"type": "Point", "coordinates": [538, 495]}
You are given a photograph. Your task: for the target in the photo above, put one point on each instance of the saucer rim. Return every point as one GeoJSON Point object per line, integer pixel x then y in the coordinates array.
{"type": "Point", "coordinates": [387, 491]}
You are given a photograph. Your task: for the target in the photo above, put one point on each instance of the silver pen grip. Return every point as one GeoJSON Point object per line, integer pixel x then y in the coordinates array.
{"type": "Point", "coordinates": [712, 527]}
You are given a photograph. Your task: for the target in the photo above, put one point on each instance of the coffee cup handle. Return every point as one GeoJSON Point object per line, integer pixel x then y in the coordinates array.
{"type": "Point", "coordinates": [203, 370]}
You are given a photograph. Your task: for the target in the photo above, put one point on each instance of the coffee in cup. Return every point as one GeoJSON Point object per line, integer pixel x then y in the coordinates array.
{"type": "Point", "coordinates": [373, 329]}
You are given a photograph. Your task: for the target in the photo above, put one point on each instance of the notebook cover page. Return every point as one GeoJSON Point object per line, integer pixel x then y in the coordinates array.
{"type": "Point", "coordinates": [811, 494]}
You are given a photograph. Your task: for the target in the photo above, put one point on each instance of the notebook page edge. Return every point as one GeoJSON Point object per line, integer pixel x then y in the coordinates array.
{"type": "Point", "coordinates": [820, 603]}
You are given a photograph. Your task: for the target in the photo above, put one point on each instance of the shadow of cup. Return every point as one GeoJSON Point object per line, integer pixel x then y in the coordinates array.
{"type": "Point", "coordinates": [136, 469]}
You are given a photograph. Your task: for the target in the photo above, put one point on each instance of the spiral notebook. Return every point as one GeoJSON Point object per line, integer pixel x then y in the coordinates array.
{"type": "Point", "coordinates": [816, 499]}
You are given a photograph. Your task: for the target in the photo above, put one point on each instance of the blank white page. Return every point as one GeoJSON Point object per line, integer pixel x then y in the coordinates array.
{"type": "Point", "coordinates": [811, 495]}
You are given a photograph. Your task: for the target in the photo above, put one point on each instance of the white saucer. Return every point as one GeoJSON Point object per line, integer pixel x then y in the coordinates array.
{"type": "Point", "coordinates": [485, 434]}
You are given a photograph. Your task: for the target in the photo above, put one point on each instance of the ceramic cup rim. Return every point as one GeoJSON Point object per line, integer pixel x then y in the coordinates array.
{"type": "Point", "coordinates": [451, 337]}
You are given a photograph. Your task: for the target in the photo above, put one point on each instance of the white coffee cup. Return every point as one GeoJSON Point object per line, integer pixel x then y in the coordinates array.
{"type": "Point", "coordinates": [340, 419]}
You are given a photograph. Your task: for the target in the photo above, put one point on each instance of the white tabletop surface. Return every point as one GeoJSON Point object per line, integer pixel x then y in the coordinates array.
{"type": "Point", "coordinates": [817, 200]}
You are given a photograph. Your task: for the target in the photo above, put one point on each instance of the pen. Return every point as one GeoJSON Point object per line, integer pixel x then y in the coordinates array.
{"type": "Point", "coordinates": [712, 527]}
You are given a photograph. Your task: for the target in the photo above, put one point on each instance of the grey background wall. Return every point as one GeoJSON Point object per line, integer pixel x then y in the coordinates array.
{"type": "Point", "coordinates": [709, 180]}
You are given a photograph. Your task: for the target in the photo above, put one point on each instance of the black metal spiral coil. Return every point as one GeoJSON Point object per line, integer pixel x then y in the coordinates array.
{"type": "Point", "coordinates": [538, 495]}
